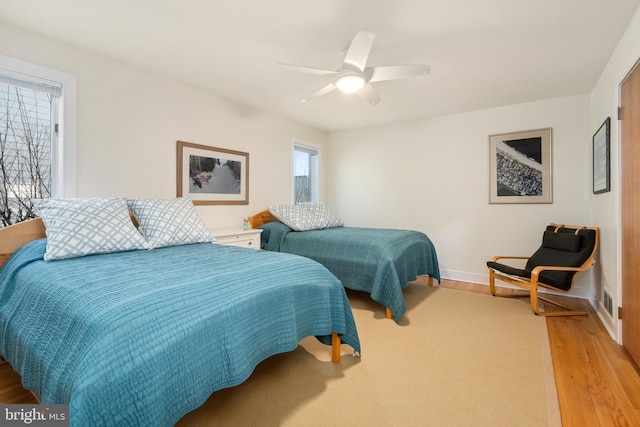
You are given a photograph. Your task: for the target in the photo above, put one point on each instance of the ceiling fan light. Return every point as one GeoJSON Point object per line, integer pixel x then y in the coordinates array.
{"type": "Point", "coordinates": [350, 82]}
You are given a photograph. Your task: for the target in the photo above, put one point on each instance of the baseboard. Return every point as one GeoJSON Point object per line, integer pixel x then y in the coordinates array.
{"type": "Point", "coordinates": [483, 279]}
{"type": "Point", "coordinates": [462, 276]}
{"type": "Point", "coordinates": [607, 321]}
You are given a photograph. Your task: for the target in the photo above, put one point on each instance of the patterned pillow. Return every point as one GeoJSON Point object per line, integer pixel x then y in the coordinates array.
{"type": "Point", "coordinates": [169, 222]}
{"type": "Point", "coordinates": [324, 214]}
{"type": "Point", "coordinates": [78, 227]}
{"type": "Point", "coordinates": [307, 216]}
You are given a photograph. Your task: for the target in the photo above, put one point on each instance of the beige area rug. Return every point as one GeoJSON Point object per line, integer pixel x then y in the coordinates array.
{"type": "Point", "coordinates": [456, 359]}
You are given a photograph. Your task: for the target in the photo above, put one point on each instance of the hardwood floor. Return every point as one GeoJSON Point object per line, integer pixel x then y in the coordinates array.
{"type": "Point", "coordinates": [11, 390]}
{"type": "Point", "coordinates": [598, 384]}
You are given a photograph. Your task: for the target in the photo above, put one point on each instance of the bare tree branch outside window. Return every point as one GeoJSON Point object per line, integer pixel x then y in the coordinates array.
{"type": "Point", "coordinates": [25, 151]}
{"type": "Point", "coordinates": [302, 177]}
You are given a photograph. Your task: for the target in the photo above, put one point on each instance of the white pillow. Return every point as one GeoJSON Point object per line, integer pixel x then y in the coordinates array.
{"type": "Point", "coordinates": [78, 227]}
{"type": "Point", "coordinates": [323, 214]}
{"type": "Point", "coordinates": [169, 222]}
{"type": "Point", "coordinates": [306, 216]}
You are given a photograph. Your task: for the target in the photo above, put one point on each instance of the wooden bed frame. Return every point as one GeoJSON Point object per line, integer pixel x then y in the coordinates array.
{"type": "Point", "coordinates": [14, 236]}
{"type": "Point", "coordinates": [265, 217]}
{"type": "Point", "coordinates": [17, 235]}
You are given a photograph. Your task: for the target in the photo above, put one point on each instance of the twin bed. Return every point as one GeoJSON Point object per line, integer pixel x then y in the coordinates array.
{"type": "Point", "coordinates": [141, 337]}
{"type": "Point", "coordinates": [380, 262]}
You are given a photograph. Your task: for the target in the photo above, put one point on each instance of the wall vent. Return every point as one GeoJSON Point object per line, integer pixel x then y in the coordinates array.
{"type": "Point", "coordinates": [608, 303]}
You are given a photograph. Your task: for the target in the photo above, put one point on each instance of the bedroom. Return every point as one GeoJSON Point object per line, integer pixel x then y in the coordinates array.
{"type": "Point", "coordinates": [127, 113]}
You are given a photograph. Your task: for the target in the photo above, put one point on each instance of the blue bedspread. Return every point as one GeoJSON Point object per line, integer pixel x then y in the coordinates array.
{"type": "Point", "coordinates": [377, 261]}
{"type": "Point", "coordinates": [141, 338]}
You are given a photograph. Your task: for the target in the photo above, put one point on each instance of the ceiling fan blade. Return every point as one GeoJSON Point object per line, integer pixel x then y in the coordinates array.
{"type": "Point", "coordinates": [369, 93]}
{"type": "Point", "coordinates": [359, 49]}
{"type": "Point", "coordinates": [392, 72]}
{"type": "Point", "coordinates": [310, 70]}
{"type": "Point", "coordinates": [325, 90]}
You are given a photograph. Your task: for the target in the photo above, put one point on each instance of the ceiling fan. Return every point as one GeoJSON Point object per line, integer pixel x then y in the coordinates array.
{"type": "Point", "coordinates": [355, 77]}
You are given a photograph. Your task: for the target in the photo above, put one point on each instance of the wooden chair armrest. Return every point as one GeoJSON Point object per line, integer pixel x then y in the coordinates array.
{"type": "Point", "coordinates": [495, 258]}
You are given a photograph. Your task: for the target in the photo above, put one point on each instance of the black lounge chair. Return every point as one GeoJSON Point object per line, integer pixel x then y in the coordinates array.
{"type": "Point", "coordinates": [565, 251]}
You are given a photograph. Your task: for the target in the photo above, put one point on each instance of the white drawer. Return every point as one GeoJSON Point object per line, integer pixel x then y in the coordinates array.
{"type": "Point", "coordinates": [234, 237]}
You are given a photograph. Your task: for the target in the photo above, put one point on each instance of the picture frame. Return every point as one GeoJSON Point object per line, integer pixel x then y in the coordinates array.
{"type": "Point", "coordinates": [520, 167]}
{"type": "Point", "coordinates": [212, 175]}
{"type": "Point", "coordinates": [602, 158]}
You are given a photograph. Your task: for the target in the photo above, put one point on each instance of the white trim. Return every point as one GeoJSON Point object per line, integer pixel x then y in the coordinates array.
{"type": "Point", "coordinates": [617, 324]}
{"type": "Point", "coordinates": [65, 184]}
{"type": "Point", "coordinates": [483, 279]}
{"type": "Point", "coordinates": [463, 276]}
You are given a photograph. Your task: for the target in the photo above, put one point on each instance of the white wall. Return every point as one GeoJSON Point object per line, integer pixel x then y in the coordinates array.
{"type": "Point", "coordinates": [432, 175]}
{"type": "Point", "coordinates": [129, 120]}
{"type": "Point", "coordinates": [605, 207]}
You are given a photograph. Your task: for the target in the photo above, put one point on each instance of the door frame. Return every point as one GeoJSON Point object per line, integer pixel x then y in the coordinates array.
{"type": "Point", "coordinates": [618, 322]}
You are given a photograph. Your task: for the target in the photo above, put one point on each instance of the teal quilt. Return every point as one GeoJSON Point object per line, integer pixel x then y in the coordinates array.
{"type": "Point", "coordinates": [140, 338]}
{"type": "Point", "coordinates": [378, 261]}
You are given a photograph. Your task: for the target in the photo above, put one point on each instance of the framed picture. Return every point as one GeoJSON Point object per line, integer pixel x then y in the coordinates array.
{"type": "Point", "coordinates": [212, 176]}
{"type": "Point", "coordinates": [602, 158]}
{"type": "Point", "coordinates": [520, 167]}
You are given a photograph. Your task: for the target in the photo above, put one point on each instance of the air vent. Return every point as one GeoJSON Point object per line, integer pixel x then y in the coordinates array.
{"type": "Point", "coordinates": [608, 303]}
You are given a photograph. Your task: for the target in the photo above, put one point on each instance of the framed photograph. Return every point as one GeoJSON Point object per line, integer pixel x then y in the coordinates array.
{"type": "Point", "coordinates": [602, 158]}
{"type": "Point", "coordinates": [212, 176]}
{"type": "Point", "coordinates": [520, 167]}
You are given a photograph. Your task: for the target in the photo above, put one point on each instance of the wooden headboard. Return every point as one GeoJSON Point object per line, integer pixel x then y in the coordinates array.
{"type": "Point", "coordinates": [14, 236]}
{"type": "Point", "coordinates": [261, 218]}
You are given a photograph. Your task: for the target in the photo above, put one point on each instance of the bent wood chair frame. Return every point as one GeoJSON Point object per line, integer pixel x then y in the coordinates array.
{"type": "Point", "coordinates": [532, 284]}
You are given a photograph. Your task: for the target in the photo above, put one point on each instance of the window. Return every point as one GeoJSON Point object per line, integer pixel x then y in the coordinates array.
{"type": "Point", "coordinates": [37, 147]}
{"type": "Point", "coordinates": [305, 172]}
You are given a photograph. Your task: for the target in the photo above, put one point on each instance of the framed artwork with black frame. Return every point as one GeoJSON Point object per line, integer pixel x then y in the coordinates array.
{"type": "Point", "coordinates": [602, 158]}
{"type": "Point", "coordinates": [520, 167]}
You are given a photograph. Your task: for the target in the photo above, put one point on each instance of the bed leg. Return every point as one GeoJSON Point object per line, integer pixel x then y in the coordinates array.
{"type": "Point", "coordinates": [431, 281]}
{"type": "Point", "coordinates": [335, 347]}
{"type": "Point", "coordinates": [389, 314]}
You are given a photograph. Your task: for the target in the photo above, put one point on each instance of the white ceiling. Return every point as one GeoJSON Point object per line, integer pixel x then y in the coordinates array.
{"type": "Point", "coordinates": [482, 53]}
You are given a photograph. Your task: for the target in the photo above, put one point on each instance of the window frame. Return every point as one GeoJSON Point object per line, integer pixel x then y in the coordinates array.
{"type": "Point", "coordinates": [63, 162]}
{"type": "Point", "coordinates": [311, 148]}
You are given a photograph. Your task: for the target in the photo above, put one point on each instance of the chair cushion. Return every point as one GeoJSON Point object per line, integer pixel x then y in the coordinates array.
{"type": "Point", "coordinates": [561, 241]}
{"type": "Point", "coordinates": [507, 269]}
{"type": "Point", "coordinates": [553, 256]}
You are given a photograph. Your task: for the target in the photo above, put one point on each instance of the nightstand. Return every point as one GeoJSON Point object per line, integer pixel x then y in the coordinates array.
{"type": "Point", "coordinates": [238, 237]}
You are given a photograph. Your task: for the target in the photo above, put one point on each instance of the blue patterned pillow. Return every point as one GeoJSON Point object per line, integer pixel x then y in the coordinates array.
{"type": "Point", "coordinates": [306, 216]}
{"type": "Point", "coordinates": [323, 214]}
{"type": "Point", "coordinates": [78, 227]}
{"type": "Point", "coordinates": [169, 222]}
{"type": "Point", "coordinates": [296, 217]}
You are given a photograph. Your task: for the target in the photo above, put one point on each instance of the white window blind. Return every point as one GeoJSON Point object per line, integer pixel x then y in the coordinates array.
{"type": "Point", "coordinates": [28, 125]}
